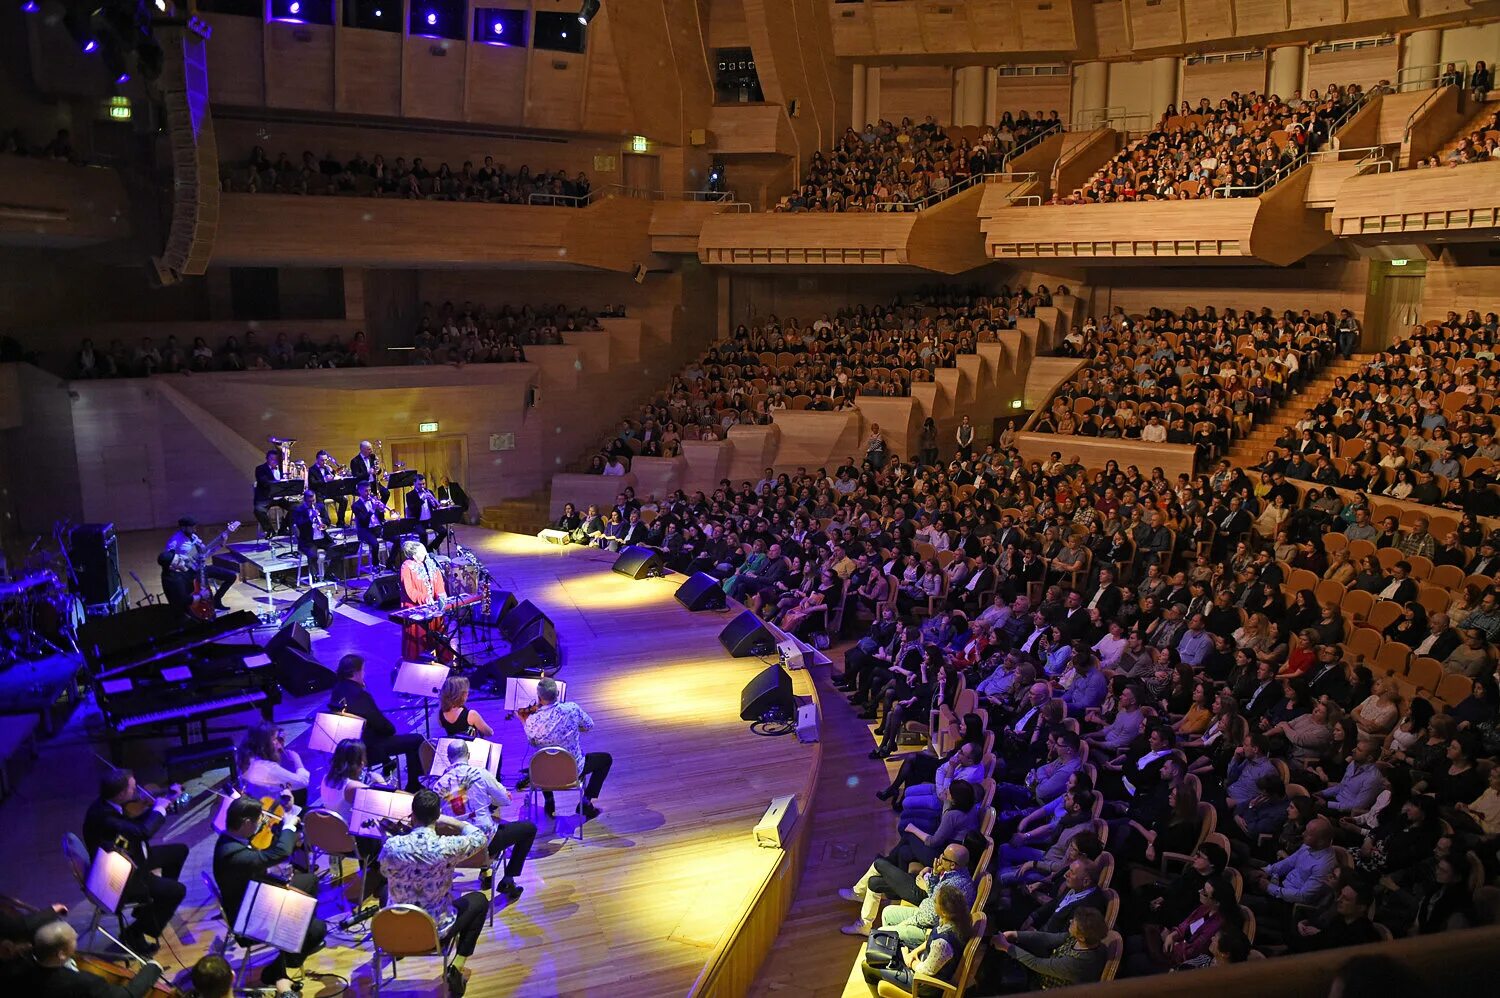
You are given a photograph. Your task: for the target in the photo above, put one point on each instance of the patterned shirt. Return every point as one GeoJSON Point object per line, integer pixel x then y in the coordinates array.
{"type": "Point", "coordinates": [419, 866]}
{"type": "Point", "coordinates": [1412, 544]}
{"type": "Point", "coordinates": [469, 792]}
{"type": "Point", "coordinates": [560, 725]}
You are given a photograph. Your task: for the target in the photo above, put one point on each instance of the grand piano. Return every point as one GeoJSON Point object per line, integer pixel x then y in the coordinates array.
{"type": "Point", "coordinates": [154, 670]}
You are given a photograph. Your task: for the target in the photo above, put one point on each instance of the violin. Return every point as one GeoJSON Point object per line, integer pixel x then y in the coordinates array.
{"type": "Point", "coordinates": [525, 712]}
{"type": "Point", "coordinates": [272, 811]}
{"type": "Point", "coordinates": [145, 798]}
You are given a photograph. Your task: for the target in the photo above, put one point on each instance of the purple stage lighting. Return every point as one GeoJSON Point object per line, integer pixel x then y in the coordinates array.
{"type": "Point", "coordinates": [90, 46]}
{"type": "Point", "coordinates": [123, 78]}
{"type": "Point", "coordinates": [30, 7]}
{"type": "Point", "coordinates": [295, 8]}
{"type": "Point", "coordinates": [431, 18]}
{"type": "Point", "coordinates": [498, 28]}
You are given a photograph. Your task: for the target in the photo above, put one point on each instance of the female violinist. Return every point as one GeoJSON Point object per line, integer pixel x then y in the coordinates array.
{"type": "Point", "coordinates": [458, 719]}
{"type": "Point", "coordinates": [349, 771]}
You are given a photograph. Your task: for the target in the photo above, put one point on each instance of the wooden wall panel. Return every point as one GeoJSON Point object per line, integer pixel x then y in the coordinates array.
{"type": "Point", "coordinates": [945, 26]}
{"type": "Point", "coordinates": [52, 203]}
{"type": "Point", "coordinates": [915, 92]}
{"type": "Point", "coordinates": [1319, 283]}
{"type": "Point", "coordinates": [496, 84]}
{"type": "Point", "coordinates": [1111, 29]}
{"type": "Point", "coordinates": [1449, 286]}
{"type": "Point", "coordinates": [897, 29]}
{"type": "Point", "coordinates": [1155, 26]}
{"type": "Point", "coordinates": [1374, 10]}
{"type": "Point", "coordinates": [554, 90]}
{"type": "Point", "coordinates": [433, 76]}
{"type": "Point", "coordinates": [606, 108]}
{"type": "Point", "coordinates": [1206, 20]}
{"type": "Point", "coordinates": [367, 72]}
{"type": "Point", "coordinates": [1034, 93]}
{"type": "Point", "coordinates": [726, 25]}
{"type": "Point", "coordinates": [1364, 66]}
{"type": "Point", "coordinates": [646, 69]}
{"type": "Point", "coordinates": [995, 23]}
{"type": "Point", "coordinates": [853, 28]}
{"type": "Point", "coordinates": [1260, 15]}
{"type": "Point", "coordinates": [1315, 13]}
{"type": "Point", "coordinates": [751, 128]}
{"type": "Point", "coordinates": [1046, 25]}
{"type": "Point", "coordinates": [299, 66]}
{"type": "Point", "coordinates": [1220, 79]}
{"type": "Point", "coordinates": [236, 61]}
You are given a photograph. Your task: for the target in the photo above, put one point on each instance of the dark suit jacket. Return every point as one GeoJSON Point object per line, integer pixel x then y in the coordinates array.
{"type": "Point", "coordinates": [106, 828]}
{"type": "Point", "coordinates": [1405, 592]}
{"type": "Point", "coordinates": [1051, 918]}
{"type": "Point", "coordinates": [355, 699]}
{"type": "Point", "coordinates": [1109, 601]}
{"type": "Point", "coordinates": [264, 479]}
{"type": "Point", "coordinates": [1445, 644]}
{"type": "Point", "coordinates": [359, 468]}
{"type": "Point", "coordinates": [302, 519]}
{"type": "Point", "coordinates": [60, 982]}
{"type": "Point", "coordinates": [237, 864]}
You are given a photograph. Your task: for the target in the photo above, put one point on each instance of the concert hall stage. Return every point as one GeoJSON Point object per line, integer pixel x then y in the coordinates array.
{"type": "Point", "coordinates": [667, 894]}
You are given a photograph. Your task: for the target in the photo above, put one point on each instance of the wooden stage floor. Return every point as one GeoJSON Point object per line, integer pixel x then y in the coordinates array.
{"type": "Point", "coordinates": [637, 907]}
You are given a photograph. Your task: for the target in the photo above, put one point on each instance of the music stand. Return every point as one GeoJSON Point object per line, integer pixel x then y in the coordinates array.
{"type": "Point", "coordinates": [423, 680]}
{"type": "Point", "coordinates": [275, 916]}
{"type": "Point", "coordinates": [400, 479]}
{"type": "Point", "coordinates": [372, 805]}
{"type": "Point", "coordinates": [329, 728]}
{"type": "Point", "coordinates": [521, 692]}
{"type": "Point", "coordinates": [105, 884]}
{"type": "Point", "coordinates": [482, 753]}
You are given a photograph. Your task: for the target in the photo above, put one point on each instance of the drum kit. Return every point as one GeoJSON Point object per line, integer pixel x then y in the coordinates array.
{"type": "Point", "coordinates": [38, 616]}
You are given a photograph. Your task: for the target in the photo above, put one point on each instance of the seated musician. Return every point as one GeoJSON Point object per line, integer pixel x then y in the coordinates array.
{"type": "Point", "coordinates": [184, 553]}
{"type": "Point", "coordinates": [57, 975]}
{"type": "Point", "coordinates": [350, 695]}
{"type": "Point", "coordinates": [369, 514]}
{"type": "Point", "coordinates": [422, 583]}
{"type": "Point", "coordinates": [311, 523]}
{"type": "Point", "coordinates": [324, 470]}
{"type": "Point", "coordinates": [422, 506]}
{"type": "Point", "coordinates": [561, 725]}
{"type": "Point", "coordinates": [420, 867]}
{"type": "Point", "coordinates": [266, 475]}
{"type": "Point", "coordinates": [238, 864]}
{"type": "Point", "coordinates": [154, 887]}
{"type": "Point", "coordinates": [472, 793]}
{"type": "Point", "coordinates": [458, 719]}
{"type": "Point", "coordinates": [267, 766]}
{"type": "Point", "coordinates": [348, 771]}
{"type": "Point", "coordinates": [213, 977]}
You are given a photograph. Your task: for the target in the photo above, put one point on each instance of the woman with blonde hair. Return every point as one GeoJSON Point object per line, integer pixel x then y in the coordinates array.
{"type": "Point", "coordinates": [1378, 713]}
{"type": "Point", "coordinates": [458, 719]}
{"type": "Point", "coordinates": [1340, 568]}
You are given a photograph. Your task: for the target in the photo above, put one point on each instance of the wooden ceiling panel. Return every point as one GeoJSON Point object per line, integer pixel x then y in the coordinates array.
{"type": "Point", "coordinates": [1155, 23]}
{"type": "Point", "coordinates": [1207, 20]}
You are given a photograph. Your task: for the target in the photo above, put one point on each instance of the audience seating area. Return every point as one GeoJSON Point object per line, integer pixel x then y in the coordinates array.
{"type": "Point", "coordinates": [471, 335]}
{"type": "Point", "coordinates": [235, 353]}
{"type": "Point", "coordinates": [903, 164]}
{"type": "Point", "coordinates": [1196, 377]}
{"type": "Point", "coordinates": [1242, 143]}
{"type": "Point", "coordinates": [490, 183]}
{"type": "Point", "coordinates": [1418, 422]}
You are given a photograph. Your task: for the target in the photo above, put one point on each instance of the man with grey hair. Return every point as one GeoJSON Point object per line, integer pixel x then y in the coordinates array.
{"type": "Point", "coordinates": [561, 725]}
{"type": "Point", "coordinates": [472, 793]}
{"type": "Point", "coordinates": [53, 947]}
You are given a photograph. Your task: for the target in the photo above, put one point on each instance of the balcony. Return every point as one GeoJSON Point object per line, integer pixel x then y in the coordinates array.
{"type": "Point", "coordinates": [1458, 204]}
{"type": "Point", "coordinates": [50, 203]}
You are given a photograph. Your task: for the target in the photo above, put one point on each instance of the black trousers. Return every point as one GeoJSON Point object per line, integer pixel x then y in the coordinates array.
{"type": "Point", "coordinates": [157, 896]}
{"type": "Point", "coordinates": [317, 933]}
{"type": "Point", "coordinates": [596, 767]}
{"type": "Point", "coordinates": [472, 908]}
{"type": "Point", "coordinates": [409, 745]}
{"type": "Point", "coordinates": [517, 836]}
{"type": "Point", "coordinates": [263, 514]}
{"type": "Point", "coordinates": [177, 587]}
{"type": "Point", "coordinates": [894, 882]}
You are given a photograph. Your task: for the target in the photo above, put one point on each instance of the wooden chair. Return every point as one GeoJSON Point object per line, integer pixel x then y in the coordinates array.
{"type": "Point", "coordinates": [1449, 577]}
{"type": "Point", "coordinates": [962, 977]}
{"type": "Point", "coordinates": [327, 832]}
{"type": "Point", "coordinates": [1334, 541]}
{"type": "Point", "coordinates": [1104, 867]}
{"type": "Point", "coordinates": [1358, 602]}
{"type": "Point", "coordinates": [1329, 591]}
{"type": "Point", "coordinates": [1421, 567]}
{"type": "Point", "coordinates": [1359, 549]}
{"type": "Point", "coordinates": [404, 930]}
{"type": "Point", "coordinates": [1453, 688]}
{"type": "Point", "coordinates": [1388, 557]}
{"type": "Point", "coordinates": [1427, 674]}
{"type": "Point", "coordinates": [1434, 599]}
{"type": "Point", "coordinates": [1114, 946]}
{"type": "Point", "coordinates": [1383, 614]}
{"type": "Point", "coordinates": [1111, 906]}
{"type": "Point", "coordinates": [1299, 579]}
{"type": "Point", "coordinates": [1393, 657]}
{"type": "Point", "coordinates": [1363, 643]}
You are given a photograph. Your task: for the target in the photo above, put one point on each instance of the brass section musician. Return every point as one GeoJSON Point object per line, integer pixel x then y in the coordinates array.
{"type": "Point", "coordinates": [369, 514]}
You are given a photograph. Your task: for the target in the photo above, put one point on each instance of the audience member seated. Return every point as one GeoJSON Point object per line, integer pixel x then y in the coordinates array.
{"type": "Point", "coordinates": [490, 183]}
{"type": "Point", "coordinates": [1244, 142]}
{"type": "Point", "coordinates": [247, 353]}
{"type": "Point", "coordinates": [470, 334]}
{"type": "Point", "coordinates": [897, 166]}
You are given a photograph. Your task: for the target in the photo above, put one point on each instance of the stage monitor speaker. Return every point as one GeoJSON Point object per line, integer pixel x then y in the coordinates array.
{"type": "Point", "coordinates": [384, 592]}
{"type": "Point", "coordinates": [807, 721]}
{"type": "Point", "coordinates": [534, 652]}
{"type": "Point", "coordinates": [501, 603]}
{"type": "Point", "coordinates": [311, 610]}
{"type": "Point", "coordinates": [702, 592]}
{"type": "Point", "coordinates": [639, 563]}
{"type": "Point", "coordinates": [296, 670]}
{"type": "Point", "coordinates": [518, 619]}
{"type": "Point", "coordinates": [770, 692]}
{"type": "Point", "coordinates": [747, 635]}
{"type": "Point", "coordinates": [95, 554]}
{"type": "Point", "coordinates": [772, 830]}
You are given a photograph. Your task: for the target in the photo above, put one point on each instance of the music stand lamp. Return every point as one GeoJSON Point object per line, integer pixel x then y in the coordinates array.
{"type": "Point", "coordinates": [330, 728]}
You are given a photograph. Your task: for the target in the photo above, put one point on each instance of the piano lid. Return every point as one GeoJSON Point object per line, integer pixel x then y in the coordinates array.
{"type": "Point", "coordinates": [124, 641]}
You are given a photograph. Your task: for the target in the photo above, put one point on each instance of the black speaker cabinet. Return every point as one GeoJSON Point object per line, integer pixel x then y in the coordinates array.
{"type": "Point", "coordinates": [702, 592]}
{"type": "Point", "coordinates": [296, 670]}
{"type": "Point", "coordinates": [95, 554]}
{"type": "Point", "coordinates": [384, 592]}
{"type": "Point", "coordinates": [311, 610]}
{"type": "Point", "coordinates": [534, 652]}
{"type": "Point", "coordinates": [639, 563]}
{"type": "Point", "coordinates": [518, 619]}
{"type": "Point", "coordinates": [501, 603]}
{"type": "Point", "coordinates": [747, 635]}
{"type": "Point", "coordinates": [770, 692]}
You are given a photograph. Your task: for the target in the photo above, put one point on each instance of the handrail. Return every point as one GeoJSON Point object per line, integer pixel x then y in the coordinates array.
{"type": "Point", "coordinates": [575, 200]}
{"type": "Point", "coordinates": [1411, 119]}
{"type": "Point", "coordinates": [1078, 116]}
{"type": "Point", "coordinates": [737, 207]}
{"type": "Point", "coordinates": [1338, 152]}
{"type": "Point", "coordinates": [1034, 200]}
{"type": "Point", "coordinates": [1460, 66]}
{"type": "Point", "coordinates": [643, 193]}
{"type": "Point", "coordinates": [1265, 185]}
{"type": "Point", "coordinates": [1030, 143]}
{"type": "Point", "coordinates": [970, 181]}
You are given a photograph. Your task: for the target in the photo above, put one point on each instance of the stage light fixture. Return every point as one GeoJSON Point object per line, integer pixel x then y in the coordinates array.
{"type": "Point", "coordinates": [587, 11]}
{"type": "Point", "coordinates": [295, 8]}
{"type": "Point", "coordinates": [90, 46]}
{"type": "Point", "coordinates": [30, 7]}
{"type": "Point", "coordinates": [123, 78]}
{"type": "Point", "coordinates": [498, 28]}
{"type": "Point", "coordinates": [431, 18]}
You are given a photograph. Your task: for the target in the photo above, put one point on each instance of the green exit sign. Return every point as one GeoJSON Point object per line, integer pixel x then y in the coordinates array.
{"type": "Point", "coordinates": [427, 427]}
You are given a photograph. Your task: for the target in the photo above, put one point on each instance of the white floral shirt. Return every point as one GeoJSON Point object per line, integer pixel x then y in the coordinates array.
{"type": "Point", "coordinates": [419, 866]}
{"type": "Point", "coordinates": [469, 792]}
{"type": "Point", "coordinates": [560, 725]}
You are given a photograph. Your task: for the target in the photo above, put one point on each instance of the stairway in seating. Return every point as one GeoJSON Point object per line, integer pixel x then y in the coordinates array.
{"type": "Point", "coordinates": [1482, 114]}
{"type": "Point", "coordinates": [1250, 449]}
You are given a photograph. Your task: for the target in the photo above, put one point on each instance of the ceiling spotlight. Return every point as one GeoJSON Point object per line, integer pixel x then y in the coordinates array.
{"type": "Point", "coordinates": [30, 7]}
{"type": "Point", "coordinates": [295, 8]}
{"type": "Point", "coordinates": [588, 10]}
{"type": "Point", "coordinates": [123, 78]}
{"type": "Point", "coordinates": [498, 28]}
{"type": "Point", "coordinates": [379, 12]}
{"type": "Point", "coordinates": [431, 18]}
{"type": "Point", "coordinates": [90, 46]}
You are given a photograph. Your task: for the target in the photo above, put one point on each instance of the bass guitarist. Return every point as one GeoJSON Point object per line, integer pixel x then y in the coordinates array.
{"type": "Point", "coordinates": [185, 568]}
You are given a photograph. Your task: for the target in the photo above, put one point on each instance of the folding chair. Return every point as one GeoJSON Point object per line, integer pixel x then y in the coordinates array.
{"type": "Point", "coordinates": [405, 930]}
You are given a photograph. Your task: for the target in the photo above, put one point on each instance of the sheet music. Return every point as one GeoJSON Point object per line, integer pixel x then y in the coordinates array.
{"type": "Point", "coordinates": [370, 805]}
{"type": "Point", "coordinates": [484, 754]}
{"type": "Point", "coordinates": [420, 679]}
{"type": "Point", "coordinates": [107, 877]}
{"type": "Point", "coordinates": [329, 729]}
{"type": "Point", "coordinates": [275, 915]}
{"type": "Point", "coordinates": [522, 692]}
